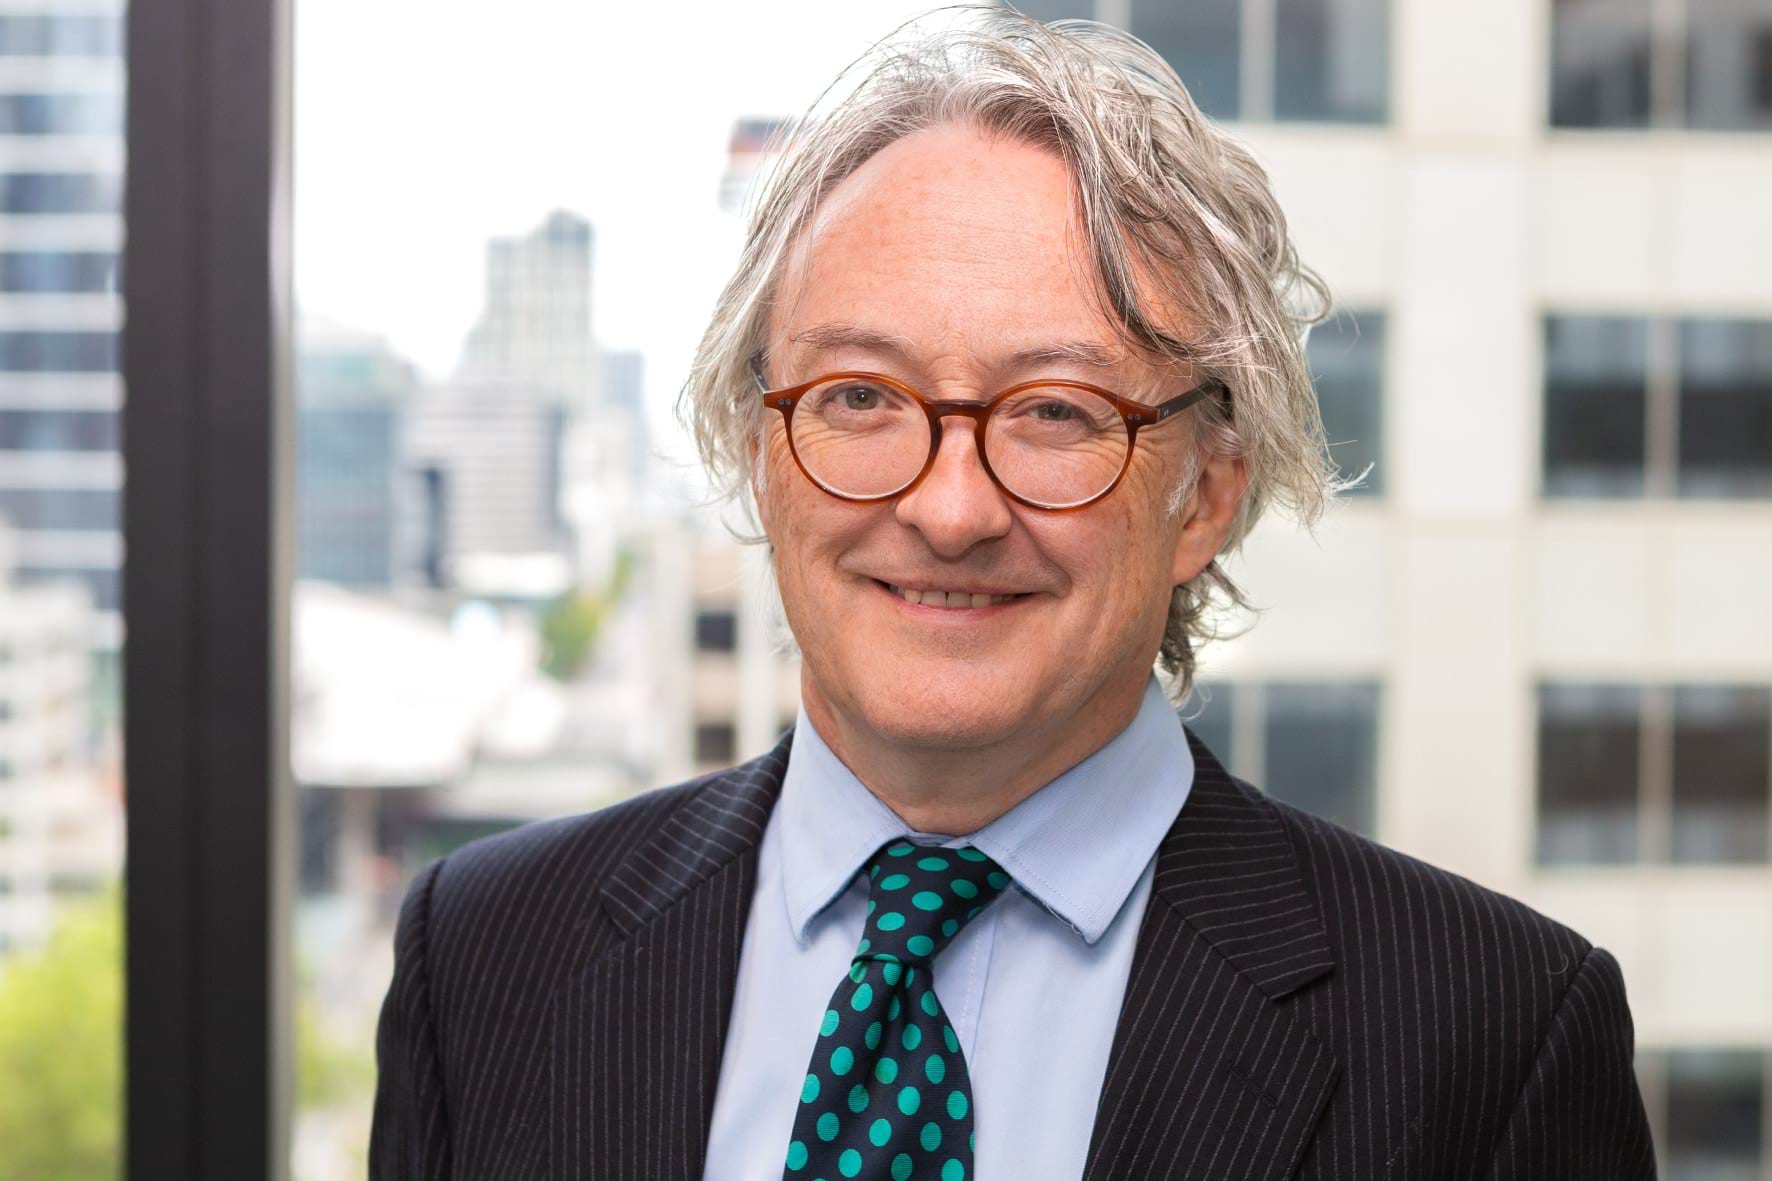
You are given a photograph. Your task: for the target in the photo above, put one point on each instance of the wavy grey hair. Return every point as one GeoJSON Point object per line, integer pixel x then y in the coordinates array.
{"type": "Point", "coordinates": [1185, 235]}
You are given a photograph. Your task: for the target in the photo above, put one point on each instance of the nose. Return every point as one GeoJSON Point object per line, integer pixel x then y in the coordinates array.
{"type": "Point", "coordinates": [957, 505]}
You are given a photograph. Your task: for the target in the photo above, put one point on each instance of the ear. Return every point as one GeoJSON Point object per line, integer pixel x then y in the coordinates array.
{"type": "Point", "coordinates": [1208, 515]}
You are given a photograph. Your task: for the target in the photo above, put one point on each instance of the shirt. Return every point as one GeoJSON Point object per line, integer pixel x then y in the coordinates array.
{"type": "Point", "coordinates": [1032, 986]}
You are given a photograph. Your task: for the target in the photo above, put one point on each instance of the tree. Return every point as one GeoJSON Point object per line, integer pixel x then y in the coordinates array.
{"type": "Point", "coordinates": [61, 1050]}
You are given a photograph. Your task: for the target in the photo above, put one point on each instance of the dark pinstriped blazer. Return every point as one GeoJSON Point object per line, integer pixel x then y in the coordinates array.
{"type": "Point", "coordinates": [1302, 1004]}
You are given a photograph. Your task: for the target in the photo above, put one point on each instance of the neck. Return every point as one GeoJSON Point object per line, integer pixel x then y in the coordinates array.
{"type": "Point", "coordinates": [956, 790]}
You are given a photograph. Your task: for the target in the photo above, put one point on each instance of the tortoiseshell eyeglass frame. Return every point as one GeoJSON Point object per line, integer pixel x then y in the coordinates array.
{"type": "Point", "coordinates": [1134, 414]}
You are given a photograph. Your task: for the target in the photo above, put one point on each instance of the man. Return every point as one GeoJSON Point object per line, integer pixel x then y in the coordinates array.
{"type": "Point", "coordinates": [1008, 362]}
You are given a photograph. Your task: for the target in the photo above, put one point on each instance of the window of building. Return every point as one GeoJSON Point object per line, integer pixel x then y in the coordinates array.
{"type": "Point", "coordinates": [67, 35]}
{"type": "Point", "coordinates": [1661, 408]}
{"type": "Point", "coordinates": [104, 585]}
{"type": "Point", "coordinates": [61, 114]}
{"type": "Point", "coordinates": [59, 508]}
{"type": "Point", "coordinates": [28, 351]}
{"type": "Point", "coordinates": [716, 743]}
{"type": "Point", "coordinates": [1347, 361]}
{"type": "Point", "coordinates": [1655, 773]}
{"type": "Point", "coordinates": [58, 430]}
{"type": "Point", "coordinates": [1707, 1107]}
{"type": "Point", "coordinates": [60, 192]}
{"type": "Point", "coordinates": [1312, 744]}
{"type": "Point", "coordinates": [59, 272]}
{"type": "Point", "coordinates": [1318, 61]}
{"type": "Point", "coordinates": [1700, 64]}
{"type": "Point", "coordinates": [716, 630]}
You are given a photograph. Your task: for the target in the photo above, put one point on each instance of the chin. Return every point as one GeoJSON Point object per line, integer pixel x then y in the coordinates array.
{"type": "Point", "coordinates": [952, 714]}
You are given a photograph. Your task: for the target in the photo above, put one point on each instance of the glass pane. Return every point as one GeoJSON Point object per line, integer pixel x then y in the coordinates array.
{"type": "Point", "coordinates": [1332, 60]}
{"type": "Point", "coordinates": [1596, 392]}
{"type": "Point", "coordinates": [1726, 408]}
{"type": "Point", "coordinates": [1729, 65]}
{"type": "Point", "coordinates": [1715, 1115]}
{"type": "Point", "coordinates": [1600, 51]}
{"type": "Point", "coordinates": [1202, 40]}
{"type": "Point", "coordinates": [1322, 751]}
{"type": "Point", "coordinates": [61, 633]}
{"type": "Point", "coordinates": [1347, 360]}
{"type": "Point", "coordinates": [1722, 773]}
{"type": "Point", "coordinates": [1587, 773]}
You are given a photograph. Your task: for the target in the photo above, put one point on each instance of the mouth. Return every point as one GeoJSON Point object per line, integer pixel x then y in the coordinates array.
{"type": "Point", "coordinates": [947, 600]}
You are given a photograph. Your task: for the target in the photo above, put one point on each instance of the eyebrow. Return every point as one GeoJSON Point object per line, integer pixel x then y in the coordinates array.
{"type": "Point", "coordinates": [825, 337]}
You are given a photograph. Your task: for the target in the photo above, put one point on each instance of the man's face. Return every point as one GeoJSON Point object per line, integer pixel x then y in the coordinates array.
{"type": "Point", "coordinates": [937, 263]}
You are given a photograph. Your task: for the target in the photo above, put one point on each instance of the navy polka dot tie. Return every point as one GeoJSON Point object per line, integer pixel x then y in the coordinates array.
{"type": "Point", "coordinates": [887, 1095]}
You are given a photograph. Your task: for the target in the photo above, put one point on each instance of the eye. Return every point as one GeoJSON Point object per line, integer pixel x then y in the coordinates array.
{"type": "Point", "coordinates": [858, 397]}
{"type": "Point", "coordinates": [1055, 412]}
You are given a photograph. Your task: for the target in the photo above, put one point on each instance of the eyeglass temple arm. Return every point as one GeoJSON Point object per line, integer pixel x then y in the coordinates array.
{"type": "Point", "coordinates": [757, 373]}
{"type": "Point", "coordinates": [1181, 402]}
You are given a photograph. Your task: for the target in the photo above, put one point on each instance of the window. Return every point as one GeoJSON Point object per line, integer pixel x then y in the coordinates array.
{"type": "Point", "coordinates": [1708, 1109]}
{"type": "Point", "coordinates": [30, 35]}
{"type": "Point", "coordinates": [1347, 361]}
{"type": "Point", "coordinates": [1700, 64]}
{"type": "Point", "coordinates": [58, 430]}
{"type": "Point", "coordinates": [716, 630]}
{"type": "Point", "coordinates": [1655, 773]}
{"type": "Point", "coordinates": [1313, 745]}
{"type": "Point", "coordinates": [1319, 61]}
{"type": "Point", "coordinates": [59, 272]}
{"type": "Point", "coordinates": [59, 508]}
{"type": "Point", "coordinates": [716, 743]}
{"type": "Point", "coordinates": [27, 351]}
{"type": "Point", "coordinates": [60, 114]}
{"type": "Point", "coordinates": [1636, 407]}
{"type": "Point", "coordinates": [103, 585]}
{"type": "Point", "coordinates": [60, 192]}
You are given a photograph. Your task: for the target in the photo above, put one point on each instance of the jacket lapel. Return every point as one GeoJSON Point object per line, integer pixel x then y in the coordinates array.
{"type": "Point", "coordinates": [638, 1033]}
{"type": "Point", "coordinates": [1210, 1076]}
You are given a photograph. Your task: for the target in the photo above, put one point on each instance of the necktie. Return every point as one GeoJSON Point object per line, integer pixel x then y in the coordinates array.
{"type": "Point", "coordinates": [886, 1094]}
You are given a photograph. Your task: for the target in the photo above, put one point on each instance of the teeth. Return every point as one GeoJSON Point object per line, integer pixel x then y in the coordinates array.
{"type": "Point", "coordinates": [936, 598]}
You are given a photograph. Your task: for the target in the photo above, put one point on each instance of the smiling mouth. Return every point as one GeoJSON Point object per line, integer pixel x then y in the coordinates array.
{"type": "Point", "coordinates": [946, 598]}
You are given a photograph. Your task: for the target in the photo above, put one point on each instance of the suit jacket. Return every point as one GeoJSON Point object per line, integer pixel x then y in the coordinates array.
{"type": "Point", "coordinates": [1303, 1003]}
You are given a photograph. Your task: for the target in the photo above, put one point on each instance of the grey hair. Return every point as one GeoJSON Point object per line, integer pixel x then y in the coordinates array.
{"type": "Point", "coordinates": [1181, 226]}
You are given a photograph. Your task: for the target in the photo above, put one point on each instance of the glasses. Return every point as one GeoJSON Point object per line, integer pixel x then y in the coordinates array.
{"type": "Point", "coordinates": [1048, 444]}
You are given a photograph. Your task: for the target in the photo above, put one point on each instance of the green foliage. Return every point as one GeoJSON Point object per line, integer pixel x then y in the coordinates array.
{"type": "Point", "coordinates": [571, 624]}
{"type": "Point", "coordinates": [61, 1050]}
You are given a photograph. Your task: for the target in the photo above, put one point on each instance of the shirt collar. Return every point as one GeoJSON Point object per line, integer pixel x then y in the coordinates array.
{"type": "Point", "coordinates": [1077, 845]}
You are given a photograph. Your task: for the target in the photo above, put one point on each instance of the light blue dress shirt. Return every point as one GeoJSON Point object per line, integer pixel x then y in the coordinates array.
{"type": "Point", "coordinates": [1032, 986]}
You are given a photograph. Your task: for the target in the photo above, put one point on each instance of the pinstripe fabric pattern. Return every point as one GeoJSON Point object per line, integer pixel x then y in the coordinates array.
{"type": "Point", "coordinates": [1302, 1004]}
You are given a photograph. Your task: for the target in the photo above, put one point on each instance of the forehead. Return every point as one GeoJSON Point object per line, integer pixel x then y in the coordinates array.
{"type": "Point", "coordinates": [958, 242]}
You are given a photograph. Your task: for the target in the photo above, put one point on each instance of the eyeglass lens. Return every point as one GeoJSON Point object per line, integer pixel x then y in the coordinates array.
{"type": "Point", "coordinates": [1050, 445]}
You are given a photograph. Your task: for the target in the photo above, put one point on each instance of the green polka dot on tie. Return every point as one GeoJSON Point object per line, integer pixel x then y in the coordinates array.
{"type": "Point", "coordinates": [952, 1039]}
{"type": "Point", "coordinates": [936, 1068]}
{"type": "Point", "coordinates": [829, 1025]}
{"type": "Point", "coordinates": [864, 996]}
{"type": "Point", "coordinates": [897, 881]}
{"type": "Point", "coordinates": [858, 1102]}
{"type": "Point", "coordinates": [972, 855]}
{"type": "Point", "coordinates": [828, 1126]}
{"type": "Point", "coordinates": [931, 1006]}
{"type": "Point", "coordinates": [857, 970]}
{"type": "Point", "coordinates": [963, 888]}
{"type": "Point", "coordinates": [997, 879]}
{"type": "Point", "coordinates": [932, 864]}
{"type": "Point", "coordinates": [796, 1156]}
{"type": "Point", "coordinates": [892, 920]}
{"type": "Point", "coordinates": [862, 947]}
{"type": "Point", "coordinates": [873, 905]}
{"type": "Point", "coordinates": [953, 1171]}
{"type": "Point", "coordinates": [930, 1138]}
{"type": "Point", "coordinates": [880, 1132]}
{"type": "Point", "coordinates": [893, 1008]}
{"type": "Point", "coordinates": [901, 1167]}
{"type": "Point", "coordinates": [973, 913]}
{"type": "Point", "coordinates": [809, 1089]}
{"type": "Point", "coordinates": [909, 1099]}
{"type": "Point", "coordinates": [957, 1104]}
{"type": "Point", "coordinates": [874, 872]}
{"type": "Point", "coordinates": [886, 1069]}
{"type": "Point", "coordinates": [872, 1036]}
{"type": "Point", "coordinates": [900, 849]}
{"type": "Point", "coordinates": [849, 1164]}
{"type": "Point", "coordinates": [912, 1037]}
{"type": "Point", "coordinates": [949, 926]}
{"type": "Point", "coordinates": [892, 972]}
{"type": "Point", "coordinates": [972, 1141]}
{"type": "Point", "coordinates": [842, 1058]}
{"type": "Point", "coordinates": [926, 900]}
{"type": "Point", "coordinates": [920, 945]}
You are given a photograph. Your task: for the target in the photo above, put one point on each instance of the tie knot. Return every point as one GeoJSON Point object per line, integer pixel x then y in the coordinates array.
{"type": "Point", "coordinates": [920, 897]}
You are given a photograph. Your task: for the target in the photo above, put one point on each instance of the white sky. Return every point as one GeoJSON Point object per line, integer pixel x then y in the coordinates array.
{"type": "Point", "coordinates": [424, 127]}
